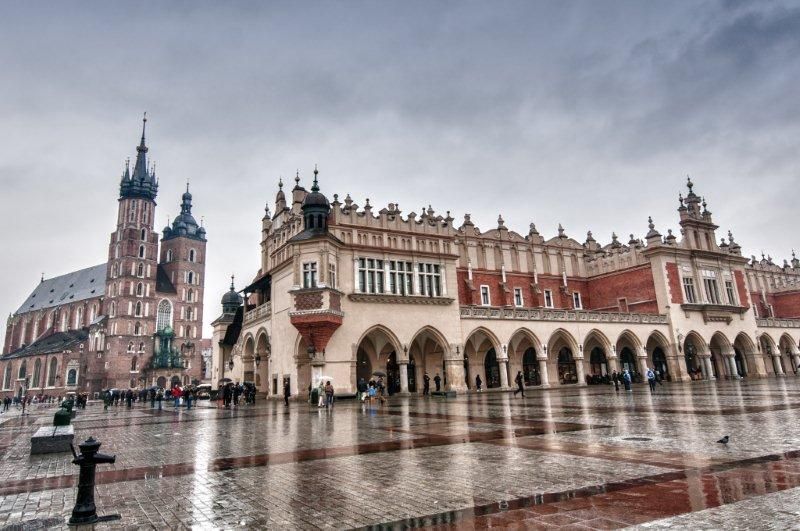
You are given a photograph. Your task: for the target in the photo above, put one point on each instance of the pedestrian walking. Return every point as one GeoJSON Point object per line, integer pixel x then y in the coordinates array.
{"type": "Point", "coordinates": [328, 395]}
{"type": "Point", "coordinates": [437, 380]}
{"type": "Point", "coordinates": [615, 379]}
{"type": "Point", "coordinates": [189, 397]}
{"type": "Point", "coordinates": [520, 381]}
{"type": "Point", "coordinates": [159, 397]}
{"type": "Point", "coordinates": [321, 395]}
{"type": "Point", "coordinates": [362, 389]}
{"type": "Point", "coordinates": [478, 382]}
{"type": "Point", "coordinates": [651, 379]}
{"type": "Point", "coordinates": [426, 384]}
{"type": "Point", "coordinates": [286, 392]}
{"type": "Point", "coordinates": [626, 379]}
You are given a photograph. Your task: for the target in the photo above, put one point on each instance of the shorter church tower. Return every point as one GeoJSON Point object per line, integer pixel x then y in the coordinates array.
{"type": "Point", "coordinates": [183, 262]}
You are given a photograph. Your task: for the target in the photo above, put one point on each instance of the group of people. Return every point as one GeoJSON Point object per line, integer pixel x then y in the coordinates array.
{"type": "Point", "coordinates": [24, 401]}
{"type": "Point", "coordinates": [426, 383]}
{"type": "Point", "coordinates": [232, 394]}
{"type": "Point", "coordinates": [325, 394]}
{"type": "Point", "coordinates": [374, 389]}
{"type": "Point", "coordinates": [626, 379]}
{"type": "Point", "coordinates": [155, 395]}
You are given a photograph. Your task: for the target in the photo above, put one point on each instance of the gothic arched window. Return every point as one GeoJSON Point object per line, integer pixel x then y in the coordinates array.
{"type": "Point", "coordinates": [112, 310]}
{"type": "Point", "coordinates": [7, 377]}
{"type": "Point", "coordinates": [141, 251]}
{"type": "Point", "coordinates": [191, 255]}
{"type": "Point", "coordinates": [51, 374]}
{"type": "Point", "coordinates": [138, 312]}
{"type": "Point", "coordinates": [190, 295]}
{"type": "Point", "coordinates": [139, 289]}
{"type": "Point", "coordinates": [164, 315]}
{"type": "Point", "coordinates": [134, 363]}
{"type": "Point", "coordinates": [140, 270]}
{"type": "Point", "coordinates": [137, 328]}
{"type": "Point", "coordinates": [169, 255]}
{"type": "Point", "coordinates": [37, 372]}
{"type": "Point", "coordinates": [23, 370]}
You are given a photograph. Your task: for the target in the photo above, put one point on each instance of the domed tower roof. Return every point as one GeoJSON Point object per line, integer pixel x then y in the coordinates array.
{"type": "Point", "coordinates": [316, 208]}
{"type": "Point", "coordinates": [184, 223]}
{"type": "Point", "coordinates": [231, 300]}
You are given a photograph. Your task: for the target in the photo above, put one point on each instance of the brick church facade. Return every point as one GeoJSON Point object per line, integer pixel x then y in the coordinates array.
{"type": "Point", "coordinates": [133, 321]}
{"type": "Point", "coordinates": [344, 291]}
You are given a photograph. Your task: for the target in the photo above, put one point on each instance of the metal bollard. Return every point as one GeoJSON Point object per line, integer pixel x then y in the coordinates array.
{"type": "Point", "coordinates": [85, 511]}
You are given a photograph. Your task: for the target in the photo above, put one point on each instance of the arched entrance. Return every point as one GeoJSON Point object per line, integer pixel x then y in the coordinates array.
{"type": "Point", "coordinates": [786, 347]}
{"type": "Point", "coordinates": [363, 366]}
{"type": "Point", "coordinates": [176, 380]}
{"type": "Point", "coordinates": [480, 350]}
{"type": "Point", "coordinates": [567, 372]}
{"type": "Point", "coordinates": [427, 349]}
{"type": "Point", "coordinates": [598, 365]}
{"type": "Point", "coordinates": [691, 354]}
{"type": "Point", "coordinates": [491, 369]}
{"type": "Point", "coordinates": [530, 367]}
{"type": "Point", "coordinates": [412, 374]}
{"type": "Point", "coordinates": [627, 360]}
{"type": "Point", "coordinates": [161, 382]}
{"type": "Point", "coordinates": [660, 362]}
{"type": "Point", "coordinates": [744, 354]}
{"type": "Point", "coordinates": [392, 374]}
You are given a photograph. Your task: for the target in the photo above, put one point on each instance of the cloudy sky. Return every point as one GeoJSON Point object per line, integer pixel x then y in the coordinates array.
{"type": "Point", "coordinates": [588, 114]}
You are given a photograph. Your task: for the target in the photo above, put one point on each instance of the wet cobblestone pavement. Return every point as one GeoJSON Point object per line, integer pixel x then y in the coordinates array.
{"type": "Point", "coordinates": [578, 458]}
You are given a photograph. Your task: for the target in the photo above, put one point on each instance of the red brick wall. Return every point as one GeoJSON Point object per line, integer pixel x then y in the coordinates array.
{"type": "Point", "coordinates": [634, 284]}
{"type": "Point", "coordinates": [787, 304]}
{"type": "Point", "coordinates": [741, 288]}
{"type": "Point", "coordinates": [499, 297]}
{"type": "Point", "coordinates": [674, 280]}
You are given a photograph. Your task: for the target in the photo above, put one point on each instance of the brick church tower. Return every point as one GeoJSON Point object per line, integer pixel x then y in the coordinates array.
{"type": "Point", "coordinates": [154, 303]}
{"type": "Point", "coordinates": [131, 273]}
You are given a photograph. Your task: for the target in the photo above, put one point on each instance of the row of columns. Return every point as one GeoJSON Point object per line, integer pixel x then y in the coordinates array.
{"type": "Point", "coordinates": [455, 369]}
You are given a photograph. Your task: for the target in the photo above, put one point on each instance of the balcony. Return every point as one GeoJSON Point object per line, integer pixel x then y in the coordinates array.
{"type": "Point", "coordinates": [316, 313]}
{"type": "Point", "coordinates": [776, 322]}
{"type": "Point", "coordinates": [258, 313]}
{"type": "Point", "coordinates": [716, 313]}
{"type": "Point", "coordinates": [549, 314]}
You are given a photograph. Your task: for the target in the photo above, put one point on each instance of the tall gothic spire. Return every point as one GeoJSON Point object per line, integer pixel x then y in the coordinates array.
{"type": "Point", "coordinates": [143, 181]}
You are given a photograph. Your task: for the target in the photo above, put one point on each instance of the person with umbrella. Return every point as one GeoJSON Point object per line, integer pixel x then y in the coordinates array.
{"type": "Point", "coordinates": [438, 381]}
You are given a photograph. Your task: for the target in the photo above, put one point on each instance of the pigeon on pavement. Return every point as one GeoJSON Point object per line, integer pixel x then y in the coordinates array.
{"type": "Point", "coordinates": [724, 440]}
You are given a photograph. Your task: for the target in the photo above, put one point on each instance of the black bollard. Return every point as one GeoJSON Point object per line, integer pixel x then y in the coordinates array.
{"type": "Point", "coordinates": [85, 511]}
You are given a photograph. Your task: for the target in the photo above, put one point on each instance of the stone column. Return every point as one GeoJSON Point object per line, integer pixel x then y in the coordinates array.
{"type": "Point", "coordinates": [579, 369]}
{"type": "Point", "coordinates": [502, 362]}
{"type": "Point", "coordinates": [403, 367]}
{"type": "Point", "coordinates": [543, 371]}
{"type": "Point", "coordinates": [454, 367]}
{"type": "Point", "coordinates": [709, 369]}
{"type": "Point", "coordinates": [732, 366]}
{"type": "Point", "coordinates": [796, 357]}
{"type": "Point", "coordinates": [613, 363]}
{"type": "Point", "coordinates": [776, 362]}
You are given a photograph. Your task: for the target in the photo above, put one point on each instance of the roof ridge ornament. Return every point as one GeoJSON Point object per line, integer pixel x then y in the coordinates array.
{"type": "Point", "coordinates": [315, 185]}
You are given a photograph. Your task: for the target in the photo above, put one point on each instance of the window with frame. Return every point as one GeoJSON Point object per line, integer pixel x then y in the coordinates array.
{"type": "Point", "coordinates": [430, 280]}
{"type": "Point", "coordinates": [140, 270]}
{"type": "Point", "coordinates": [401, 277]}
{"type": "Point", "coordinates": [518, 297]}
{"type": "Point", "coordinates": [192, 255]}
{"type": "Point", "coordinates": [332, 275]}
{"type": "Point", "coordinates": [548, 298]}
{"type": "Point", "coordinates": [310, 275]}
{"type": "Point", "coordinates": [731, 292]}
{"type": "Point", "coordinates": [370, 275]}
{"type": "Point", "coordinates": [711, 287]}
{"type": "Point", "coordinates": [688, 290]}
{"type": "Point", "coordinates": [486, 299]}
{"type": "Point", "coordinates": [141, 251]}
{"type": "Point", "coordinates": [138, 309]}
{"type": "Point", "coordinates": [576, 300]}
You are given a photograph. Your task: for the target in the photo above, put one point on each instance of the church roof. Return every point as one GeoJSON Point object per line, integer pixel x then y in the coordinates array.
{"type": "Point", "coordinates": [52, 344]}
{"type": "Point", "coordinates": [75, 286]}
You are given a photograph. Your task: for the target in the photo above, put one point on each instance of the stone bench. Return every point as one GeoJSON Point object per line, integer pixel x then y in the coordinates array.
{"type": "Point", "coordinates": [52, 440]}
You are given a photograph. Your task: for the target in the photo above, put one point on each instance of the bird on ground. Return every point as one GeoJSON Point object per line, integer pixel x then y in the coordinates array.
{"type": "Point", "coordinates": [724, 440]}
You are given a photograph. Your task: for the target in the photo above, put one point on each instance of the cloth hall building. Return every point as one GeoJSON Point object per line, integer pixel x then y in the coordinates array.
{"type": "Point", "coordinates": [134, 320]}
{"type": "Point", "coordinates": [344, 291]}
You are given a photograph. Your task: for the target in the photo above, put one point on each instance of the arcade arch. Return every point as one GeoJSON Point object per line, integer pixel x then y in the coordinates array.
{"type": "Point", "coordinates": [483, 356]}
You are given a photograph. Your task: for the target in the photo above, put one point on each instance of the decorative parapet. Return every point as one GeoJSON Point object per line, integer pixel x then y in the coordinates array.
{"type": "Point", "coordinates": [545, 314]}
{"type": "Point", "coordinates": [399, 299]}
{"type": "Point", "coordinates": [258, 313]}
{"type": "Point", "coordinates": [771, 322]}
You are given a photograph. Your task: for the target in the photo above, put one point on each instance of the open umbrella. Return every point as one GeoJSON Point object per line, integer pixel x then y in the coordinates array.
{"type": "Point", "coordinates": [379, 373]}
{"type": "Point", "coordinates": [225, 380]}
